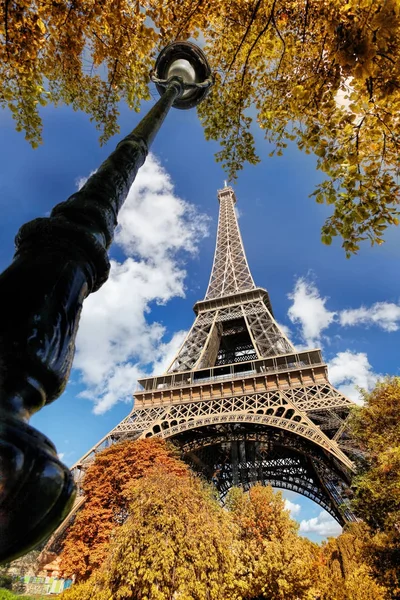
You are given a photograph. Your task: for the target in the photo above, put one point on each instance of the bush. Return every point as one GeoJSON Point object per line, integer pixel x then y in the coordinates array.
{"type": "Point", "coordinates": [6, 594]}
{"type": "Point", "coordinates": [6, 581]}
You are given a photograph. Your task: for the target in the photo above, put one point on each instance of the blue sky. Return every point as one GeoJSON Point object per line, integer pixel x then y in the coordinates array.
{"type": "Point", "coordinates": [162, 260]}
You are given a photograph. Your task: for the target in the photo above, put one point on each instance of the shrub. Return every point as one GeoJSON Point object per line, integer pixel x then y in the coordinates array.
{"type": "Point", "coordinates": [5, 581]}
{"type": "Point", "coordinates": [6, 595]}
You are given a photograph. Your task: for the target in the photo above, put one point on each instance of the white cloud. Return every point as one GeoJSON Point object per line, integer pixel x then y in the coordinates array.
{"type": "Point", "coordinates": [292, 507]}
{"type": "Point", "coordinates": [154, 222]}
{"type": "Point", "coordinates": [308, 310]}
{"type": "Point", "coordinates": [113, 327]}
{"type": "Point", "coordinates": [80, 181]}
{"type": "Point", "coordinates": [166, 353]}
{"type": "Point", "coordinates": [61, 455]}
{"type": "Point", "coordinates": [323, 525]}
{"type": "Point", "coordinates": [117, 341]}
{"type": "Point", "coordinates": [238, 212]}
{"type": "Point", "coordinates": [383, 314]}
{"type": "Point", "coordinates": [350, 370]}
{"type": "Point", "coordinates": [117, 385]}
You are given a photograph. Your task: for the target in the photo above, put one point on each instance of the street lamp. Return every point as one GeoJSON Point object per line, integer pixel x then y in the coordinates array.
{"type": "Point", "coordinates": [59, 261]}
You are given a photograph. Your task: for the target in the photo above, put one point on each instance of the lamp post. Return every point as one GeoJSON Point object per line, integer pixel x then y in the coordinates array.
{"type": "Point", "coordinates": [59, 261]}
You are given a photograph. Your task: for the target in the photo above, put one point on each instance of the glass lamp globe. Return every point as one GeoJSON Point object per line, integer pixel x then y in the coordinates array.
{"type": "Point", "coordinates": [182, 68]}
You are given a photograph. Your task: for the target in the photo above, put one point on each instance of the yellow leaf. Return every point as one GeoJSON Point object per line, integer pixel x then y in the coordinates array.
{"type": "Point", "coordinates": [41, 25]}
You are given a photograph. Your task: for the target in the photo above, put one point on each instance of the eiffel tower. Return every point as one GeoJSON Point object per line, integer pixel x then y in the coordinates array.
{"type": "Point", "coordinates": [238, 400]}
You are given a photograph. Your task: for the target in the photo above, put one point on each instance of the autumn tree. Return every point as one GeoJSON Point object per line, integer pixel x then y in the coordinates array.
{"type": "Point", "coordinates": [324, 74]}
{"type": "Point", "coordinates": [272, 561]}
{"type": "Point", "coordinates": [376, 426]}
{"type": "Point", "coordinates": [343, 573]}
{"type": "Point", "coordinates": [106, 485]}
{"type": "Point", "coordinates": [87, 54]}
{"type": "Point", "coordinates": [176, 543]}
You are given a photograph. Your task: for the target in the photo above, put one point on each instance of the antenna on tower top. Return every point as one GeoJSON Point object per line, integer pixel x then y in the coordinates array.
{"type": "Point", "coordinates": [226, 185]}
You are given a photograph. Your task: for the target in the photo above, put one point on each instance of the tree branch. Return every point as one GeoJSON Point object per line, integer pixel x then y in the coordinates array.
{"type": "Point", "coordinates": [395, 141]}
{"type": "Point", "coordinates": [358, 128]}
{"type": "Point", "coordinates": [283, 43]}
{"type": "Point", "coordinates": [6, 3]}
{"type": "Point", "coordinates": [261, 33]}
{"type": "Point", "coordinates": [386, 56]}
{"type": "Point", "coordinates": [253, 16]}
{"type": "Point", "coordinates": [305, 21]}
{"type": "Point", "coordinates": [188, 19]}
{"type": "Point", "coordinates": [99, 38]}
{"type": "Point", "coordinates": [383, 150]}
{"type": "Point", "coordinates": [108, 93]}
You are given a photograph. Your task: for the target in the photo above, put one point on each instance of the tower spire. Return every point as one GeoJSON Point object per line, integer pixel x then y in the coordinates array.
{"type": "Point", "coordinates": [230, 273]}
{"type": "Point", "coordinates": [234, 322]}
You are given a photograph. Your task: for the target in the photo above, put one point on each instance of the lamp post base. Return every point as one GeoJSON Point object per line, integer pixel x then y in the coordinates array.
{"type": "Point", "coordinates": [36, 489]}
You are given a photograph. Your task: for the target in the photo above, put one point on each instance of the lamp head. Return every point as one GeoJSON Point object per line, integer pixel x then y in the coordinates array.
{"type": "Point", "coordinates": [187, 61]}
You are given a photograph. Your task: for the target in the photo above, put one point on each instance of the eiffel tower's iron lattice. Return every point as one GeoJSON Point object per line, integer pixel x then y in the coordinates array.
{"type": "Point", "coordinates": [230, 272]}
{"type": "Point", "coordinates": [238, 399]}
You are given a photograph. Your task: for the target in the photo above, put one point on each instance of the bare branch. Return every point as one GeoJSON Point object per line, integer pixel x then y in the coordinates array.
{"type": "Point", "coordinates": [99, 38]}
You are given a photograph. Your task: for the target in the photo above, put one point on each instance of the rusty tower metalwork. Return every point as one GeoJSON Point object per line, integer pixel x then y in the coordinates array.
{"type": "Point", "coordinates": [238, 399]}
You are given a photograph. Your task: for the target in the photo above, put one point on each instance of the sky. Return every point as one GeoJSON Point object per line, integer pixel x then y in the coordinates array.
{"type": "Point", "coordinates": [161, 262]}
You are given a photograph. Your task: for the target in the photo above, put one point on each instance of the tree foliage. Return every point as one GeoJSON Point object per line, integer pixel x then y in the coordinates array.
{"type": "Point", "coordinates": [272, 562]}
{"type": "Point", "coordinates": [149, 529]}
{"type": "Point", "coordinates": [322, 73]}
{"type": "Point", "coordinates": [107, 484]}
{"type": "Point", "coordinates": [88, 54]}
{"type": "Point", "coordinates": [376, 426]}
{"type": "Point", "coordinates": [176, 543]}
{"type": "Point", "coordinates": [179, 543]}
{"type": "Point", "coordinates": [325, 73]}
{"type": "Point", "coordinates": [343, 572]}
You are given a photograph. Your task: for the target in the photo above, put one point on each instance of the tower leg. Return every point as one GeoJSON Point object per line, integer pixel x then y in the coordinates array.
{"type": "Point", "coordinates": [235, 463]}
